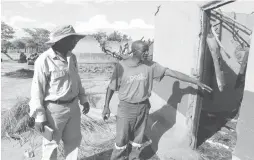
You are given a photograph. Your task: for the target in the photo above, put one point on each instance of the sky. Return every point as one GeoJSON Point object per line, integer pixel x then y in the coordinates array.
{"type": "Point", "coordinates": [134, 18]}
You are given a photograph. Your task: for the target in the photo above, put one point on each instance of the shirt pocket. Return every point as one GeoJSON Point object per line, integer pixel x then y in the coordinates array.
{"type": "Point", "coordinates": [59, 81]}
{"type": "Point", "coordinates": [58, 75]}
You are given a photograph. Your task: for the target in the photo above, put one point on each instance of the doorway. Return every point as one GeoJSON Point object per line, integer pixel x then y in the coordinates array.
{"type": "Point", "coordinates": [216, 115]}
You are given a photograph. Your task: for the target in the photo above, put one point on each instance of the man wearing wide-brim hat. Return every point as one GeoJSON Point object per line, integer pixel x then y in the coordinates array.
{"type": "Point", "coordinates": [55, 92]}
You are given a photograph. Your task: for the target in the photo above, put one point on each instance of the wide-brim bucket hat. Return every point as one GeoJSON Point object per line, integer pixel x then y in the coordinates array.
{"type": "Point", "coordinates": [61, 32]}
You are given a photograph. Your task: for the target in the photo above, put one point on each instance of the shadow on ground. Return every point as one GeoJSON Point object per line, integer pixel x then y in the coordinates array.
{"type": "Point", "coordinates": [211, 123]}
{"type": "Point", "coordinates": [105, 155]}
{"type": "Point", "coordinates": [21, 73]}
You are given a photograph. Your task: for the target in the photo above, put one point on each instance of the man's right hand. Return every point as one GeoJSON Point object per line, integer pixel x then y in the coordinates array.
{"type": "Point", "coordinates": [39, 126]}
{"type": "Point", "coordinates": [106, 113]}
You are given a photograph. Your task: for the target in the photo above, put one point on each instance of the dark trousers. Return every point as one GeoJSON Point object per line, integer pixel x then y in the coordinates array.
{"type": "Point", "coordinates": [130, 127]}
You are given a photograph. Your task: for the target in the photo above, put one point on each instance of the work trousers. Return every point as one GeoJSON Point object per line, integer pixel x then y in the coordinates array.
{"type": "Point", "coordinates": [65, 120]}
{"type": "Point", "coordinates": [130, 127]}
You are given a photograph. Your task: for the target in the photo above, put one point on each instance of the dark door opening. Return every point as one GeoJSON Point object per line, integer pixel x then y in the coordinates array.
{"type": "Point", "coordinates": [219, 113]}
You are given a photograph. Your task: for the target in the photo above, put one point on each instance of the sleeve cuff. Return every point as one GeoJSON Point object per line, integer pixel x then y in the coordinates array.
{"type": "Point", "coordinates": [158, 79]}
{"type": "Point", "coordinates": [83, 99]}
{"type": "Point", "coordinates": [163, 74]}
{"type": "Point", "coordinates": [38, 112]}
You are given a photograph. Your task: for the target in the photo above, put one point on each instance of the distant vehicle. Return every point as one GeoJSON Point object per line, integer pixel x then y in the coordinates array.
{"type": "Point", "coordinates": [31, 59]}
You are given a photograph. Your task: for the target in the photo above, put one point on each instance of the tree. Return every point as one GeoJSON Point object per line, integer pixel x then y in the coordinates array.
{"type": "Point", "coordinates": [100, 36]}
{"type": "Point", "coordinates": [126, 38]}
{"type": "Point", "coordinates": [19, 44]}
{"type": "Point", "coordinates": [115, 36]}
{"type": "Point", "coordinates": [5, 45]}
{"type": "Point", "coordinates": [7, 32]}
{"type": "Point", "coordinates": [29, 42]}
{"type": "Point", "coordinates": [120, 39]}
{"type": "Point", "coordinates": [38, 37]}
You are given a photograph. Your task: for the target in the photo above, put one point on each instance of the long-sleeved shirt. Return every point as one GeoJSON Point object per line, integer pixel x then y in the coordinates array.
{"type": "Point", "coordinates": [54, 79]}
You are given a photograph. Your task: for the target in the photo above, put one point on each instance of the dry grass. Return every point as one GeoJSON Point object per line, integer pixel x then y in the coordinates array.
{"type": "Point", "coordinates": [93, 100]}
{"type": "Point", "coordinates": [21, 73]}
{"type": "Point", "coordinates": [15, 120]}
{"type": "Point", "coordinates": [97, 135]}
{"type": "Point", "coordinates": [104, 68]}
{"type": "Point", "coordinates": [221, 144]}
{"type": "Point", "coordinates": [212, 152]}
{"type": "Point", "coordinates": [14, 125]}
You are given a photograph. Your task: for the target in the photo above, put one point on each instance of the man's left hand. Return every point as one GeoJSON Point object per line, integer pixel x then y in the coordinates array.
{"type": "Point", "coordinates": [204, 87]}
{"type": "Point", "coordinates": [86, 108]}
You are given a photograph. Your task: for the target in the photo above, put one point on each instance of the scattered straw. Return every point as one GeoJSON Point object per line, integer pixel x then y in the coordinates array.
{"type": "Point", "coordinates": [15, 120]}
{"type": "Point", "coordinates": [97, 135]}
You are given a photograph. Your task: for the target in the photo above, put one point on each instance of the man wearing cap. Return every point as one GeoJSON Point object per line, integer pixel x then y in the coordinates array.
{"type": "Point", "coordinates": [55, 91]}
{"type": "Point", "coordinates": [133, 79]}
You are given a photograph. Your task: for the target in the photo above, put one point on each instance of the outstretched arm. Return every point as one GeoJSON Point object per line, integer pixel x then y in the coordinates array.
{"type": "Point", "coordinates": [186, 78]}
{"type": "Point", "coordinates": [180, 76]}
{"type": "Point", "coordinates": [159, 72]}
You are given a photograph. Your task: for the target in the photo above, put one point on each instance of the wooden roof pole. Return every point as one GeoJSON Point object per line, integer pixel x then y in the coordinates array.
{"type": "Point", "coordinates": [238, 23]}
{"type": "Point", "coordinates": [218, 41]}
{"type": "Point", "coordinates": [212, 41]}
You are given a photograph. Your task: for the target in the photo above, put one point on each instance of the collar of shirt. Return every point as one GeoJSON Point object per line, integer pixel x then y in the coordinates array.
{"type": "Point", "coordinates": [54, 56]}
{"type": "Point", "coordinates": [132, 63]}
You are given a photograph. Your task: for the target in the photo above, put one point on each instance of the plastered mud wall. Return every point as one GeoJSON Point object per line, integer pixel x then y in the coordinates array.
{"type": "Point", "coordinates": [177, 28]}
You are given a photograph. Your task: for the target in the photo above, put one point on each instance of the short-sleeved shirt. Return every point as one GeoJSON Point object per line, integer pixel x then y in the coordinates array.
{"type": "Point", "coordinates": [134, 81]}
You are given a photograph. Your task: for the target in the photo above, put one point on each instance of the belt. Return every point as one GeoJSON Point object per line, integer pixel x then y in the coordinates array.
{"type": "Point", "coordinates": [142, 102]}
{"type": "Point", "coordinates": [62, 102]}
